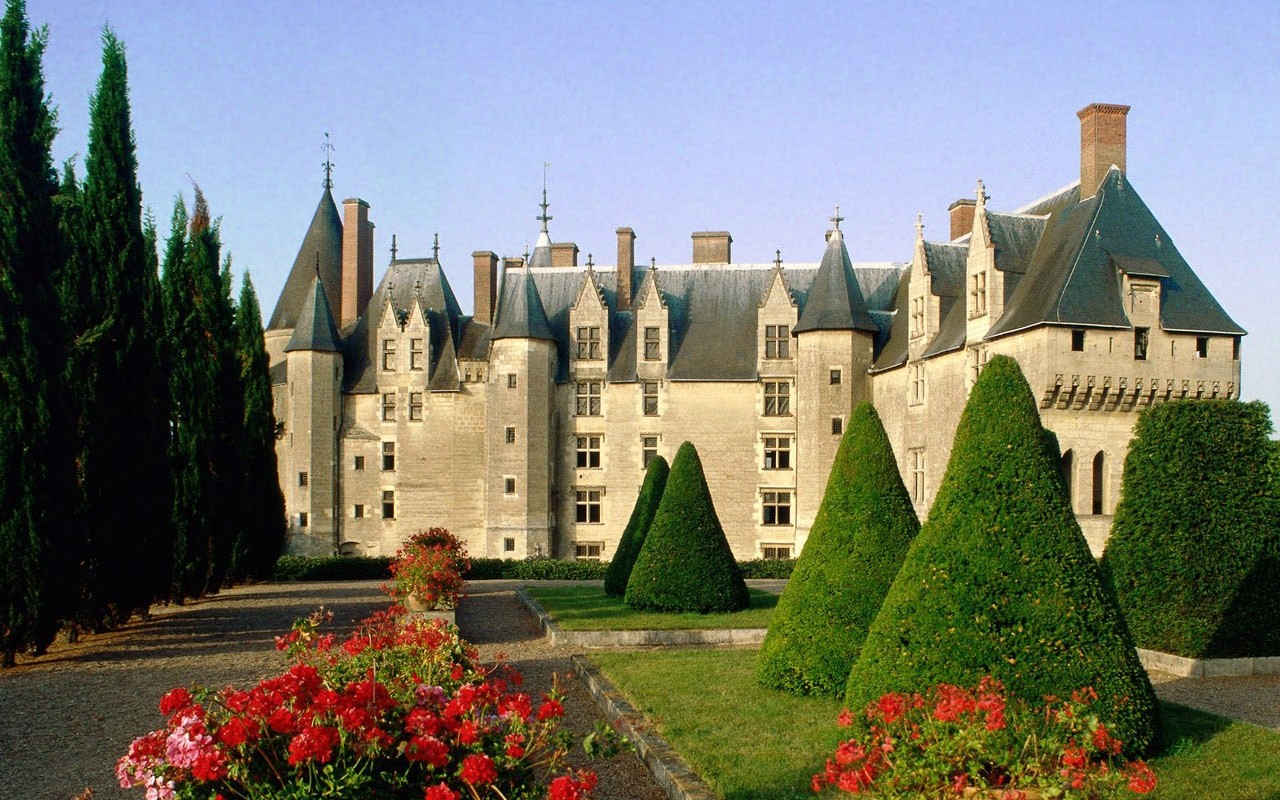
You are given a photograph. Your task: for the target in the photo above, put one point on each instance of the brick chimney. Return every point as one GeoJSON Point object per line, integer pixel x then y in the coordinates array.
{"type": "Point", "coordinates": [564, 254]}
{"type": "Point", "coordinates": [513, 262]}
{"type": "Point", "coordinates": [357, 260]}
{"type": "Point", "coordinates": [1102, 143]}
{"type": "Point", "coordinates": [485, 284]}
{"type": "Point", "coordinates": [711, 247]}
{"type": "Point", "coordinates": [961, 212]}
{"type": "Point", "coordinates": [626, 264]}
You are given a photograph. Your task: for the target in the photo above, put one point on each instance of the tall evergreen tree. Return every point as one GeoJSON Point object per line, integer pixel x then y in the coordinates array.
{"type": "Point", "coordinates": [633, 536]}
{"type": "Point", "coordinates": [35, 479]}
{"type": "Point", "coordinates": [112, 305]}
{"type": "Point", "coordinates": [262, 527]}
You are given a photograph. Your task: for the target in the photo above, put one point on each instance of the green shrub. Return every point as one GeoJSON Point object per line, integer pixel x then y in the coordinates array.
{"type": "Point", "coordinates": [776, 569]}
{"type": "Point", "coordinates": [1000, 580]}
{"type": "Point", "coordinates": [534, 569]}
{"type": "Point", "coordinates": [1194, 552]}
{"type": "Point", "coordinates": [331, 568]}
{"type": "Point", "coordinates": [655, 480]}
{"type": "Point", "coordinates": [685, 563]}
{"type": "Point", "coordinates": [858, 540]}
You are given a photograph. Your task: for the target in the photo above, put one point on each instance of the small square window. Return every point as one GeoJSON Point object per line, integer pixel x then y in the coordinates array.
{"type": "Point", "coordinates": [835, 377]}
{"type": "Point", "coordinates": [588, 399]}
{"type": "Point", "coordinates": [302, 479]}
{"type": "Point", "coordinates": [302, 519]}
{"type": "Point", "coordinates": [1077, 341]}
{"type": "Point", "coordinates": [511, 380]}
{"type": "Point", "coordinates": [357, 511]}
{"type": "Point", "coordinates": [508, 545]}
{"type": "Point", "coordinates": [588, 452]}
{"type": "Point", "coordinates": [777, 341]}
{"type": "Point", "coordinates": [359, 463]}
{"type": "Point", "coordinates": [777, 508]}
{"type": "Point", "coordinates": [777, 452]}
{"type": "Point", "coordinates": [511, 434]}
{"type": "Point", "coordinates": [775, 552]}
{"type": "Point", "coordinates": [388, 456]}
{"type": "Point", "coordinates": [777, 399]}
{"type": "Point", "coordinates": [587, 505]}
{"type": "Point", "coordinates": [508, 485]}
{"type": "Point", "coordinates": [389, 504]}
{"type": "Point", "coordinates": [588, 343]}
{"type": "Point", "coordinates": [588, 551]}
{"type": "Point", "coordinates": [837, 426]}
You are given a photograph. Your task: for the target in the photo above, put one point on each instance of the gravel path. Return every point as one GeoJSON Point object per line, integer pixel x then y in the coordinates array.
{"type": "Point", "coordinates": [65, 718]}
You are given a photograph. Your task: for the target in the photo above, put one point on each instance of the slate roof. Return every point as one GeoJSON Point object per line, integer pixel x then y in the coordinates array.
{"type": "Point", "coordinates": [838, 302]}
{"type": "Point", "coordinates": [322, 247]}
{"type": "Point", "coordinates": [520, 312]}
{"type": "Point", "coordinates": [315, 330]}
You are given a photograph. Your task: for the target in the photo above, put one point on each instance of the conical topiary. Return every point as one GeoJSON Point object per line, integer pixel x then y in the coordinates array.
{"type": "Point", "coordinates": [1000, 580]}
{"type": "Point", "coordinates": [633, 536]}
{"type": "Point", "coordinates": [858, 540]}
{"type": "Point", "coordinates": [1194, 546]}
{"type": "Point", "coordinates": [685, 563]}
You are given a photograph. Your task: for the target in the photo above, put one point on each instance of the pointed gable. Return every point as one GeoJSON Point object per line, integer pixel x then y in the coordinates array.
{"type": "Point", "coordinates": [835, 301]}
{"type": "Point", "coordinates": [315, 330]}
{"type": "Point", "coordinates": [321, 249]}
{"type": "Point", "coordinates": [520, 313]}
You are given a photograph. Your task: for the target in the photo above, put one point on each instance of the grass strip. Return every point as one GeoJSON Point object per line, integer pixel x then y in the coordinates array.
{"type": "Point", "coordinates": [588, 608]}
{"type": "Point", "coordinates": [750, 743]}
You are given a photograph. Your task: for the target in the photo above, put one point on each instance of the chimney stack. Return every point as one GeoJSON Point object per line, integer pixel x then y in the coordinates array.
{"type": "Point", "coordinates": [564, 254]}
{"type": "Point", "coordinates": [1102, 143]}
{"type": "Point", "coordinates": [485, 285]}
{"type": "Point", "coordinates": [626, 265]}
{"type": "Point", "coordinates": [357, 260]}
{"type": "Point", "coordinates": [711, 247]}
{"type": "Point", "coordinates": [961, 212]}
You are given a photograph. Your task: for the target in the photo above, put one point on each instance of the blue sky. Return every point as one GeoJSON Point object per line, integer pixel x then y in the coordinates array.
{"type": "Point", "coordinates": [756, 118]}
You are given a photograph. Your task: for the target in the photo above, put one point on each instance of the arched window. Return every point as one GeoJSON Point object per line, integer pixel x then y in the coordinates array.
{"type": "Point", "coordinates": [1068, 474]}
{"type": "Point", "coordinates": [1099, 472]}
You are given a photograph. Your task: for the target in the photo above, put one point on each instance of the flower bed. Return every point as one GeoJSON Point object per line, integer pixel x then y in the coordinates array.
{"type": "Point", "coordinates": [427, 570]}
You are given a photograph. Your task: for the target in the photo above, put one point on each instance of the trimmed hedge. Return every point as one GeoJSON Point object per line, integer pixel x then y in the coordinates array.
{"type": "Point", "coordinates": [685, 563]}
{"type": "Point", "coordinates": [775, 569]}
{"type": "Point", "coordinates": [1194, 552]}
{"type": "Point", "coordinates": [535, 569]}
{"type": "Point", "coordinates": [1000, 580]}
{"type": "Point", "coordinates": [859, 539]}
{"type": "Point", "coordinates": [633, 536]}
{"type": "Point", "coordinates": [332, 568]}
{"type": "Point", "coordinates": [360, 568]}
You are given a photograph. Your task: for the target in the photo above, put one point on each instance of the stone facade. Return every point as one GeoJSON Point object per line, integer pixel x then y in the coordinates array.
{"type": "Point", "coordinates": [525, 428]}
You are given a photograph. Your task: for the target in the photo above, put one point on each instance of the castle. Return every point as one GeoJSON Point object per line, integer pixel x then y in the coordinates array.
{"type": "Point", "coordinates": [525, 428]}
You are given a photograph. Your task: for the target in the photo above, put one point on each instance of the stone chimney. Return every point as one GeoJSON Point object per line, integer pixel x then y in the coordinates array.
{"type": "Point", "coordinates": [1102, 143]}
{"type": "Point", "coordinates": [711, 247]}
{"type": "Point", "coordinates": [357, 260]}
{"type": "Point", "coordinates": [515, 262]}
{"type": "Point", "coordinates": [961, 212]}
{"type": "Point", "coordinates": [626, 265]}
{"type": "Point", "coordinates": [564, 254]}
{"type": "Point", "coordinates": [485, 285]}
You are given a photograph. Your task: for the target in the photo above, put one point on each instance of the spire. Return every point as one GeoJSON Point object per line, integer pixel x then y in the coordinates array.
{"type": "Point", "coordinates": [919, 227]}
{"type": "Point", "coordinates": [542, 250]}
{"type": "Point", "coordinates": [835, 301]}
{"type": "Point", "coordinates": [435, 248]}
{"type": "Point", "coordinates": [321, 246]}
{"type": "Point", "coordinates": [521, 314]}
{"type": "Point", "coordinates": [393, 247]}
{"type": "Point", "coordinates": [327, 148]}
{"type": "Point", "coordinates": [544, 219]}
{"type": "Point", "coordinates": [777, 260]}
{"type": "Point", "coordinates": [315, 329]}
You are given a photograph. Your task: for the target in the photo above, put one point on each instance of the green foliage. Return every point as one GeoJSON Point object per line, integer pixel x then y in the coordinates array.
{"type": "Point", "coordinates": [535, 569]}
{"type": "Point", "coordinates": [858, 540]}
{"type": "Point", "coordinates": [685, 563]}
{"type": "Point", "coordinates": [1194, 553]}
{"type": "Point", "coordinates": [332, 568]}
{"type": "Point", "coordinates": [1000, 581]}
{"type": "Point", "coordinates": [767, 569]}
{"type": "Point", "coordinates": [619, 572]}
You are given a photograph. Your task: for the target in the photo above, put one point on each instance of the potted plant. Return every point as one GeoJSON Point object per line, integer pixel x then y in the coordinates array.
{"type": "Point", "coordinates": [426, 574]}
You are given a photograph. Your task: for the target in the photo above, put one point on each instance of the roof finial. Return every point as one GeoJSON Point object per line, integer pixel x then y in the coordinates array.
{"type": "Point", "coordinates": [393, 247]}
{"type": "Point", "coordinates": [777, 259]}
{"type": "Point", "coordinates": [919, 227]}
{"type": "Point", "coordinates": [653, 263]}
{"type": "Point", "coordinates": [317, 264]}
{"type": "Point", "coordinates": [435, 248]}
{"type": "Point", "coordinates": [982, 194]}
{"type": "Point", "coordinates": [837, 219]}
{"type": "Point", "coordinates": [327, 148]}
{"type": "Point", "coordinates": [590, 263]}
{"type": "Point", "coordinates": [544, 219]}
{"type": "Point", "coordinates": [526, 251]}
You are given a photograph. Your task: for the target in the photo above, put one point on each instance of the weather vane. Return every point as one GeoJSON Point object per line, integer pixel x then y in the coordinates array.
{"type": "Point", "coordinates": [327, 148]}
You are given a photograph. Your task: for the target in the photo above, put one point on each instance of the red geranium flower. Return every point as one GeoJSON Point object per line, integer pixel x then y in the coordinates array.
{"type": "Point", "coordinates": [479, 770]}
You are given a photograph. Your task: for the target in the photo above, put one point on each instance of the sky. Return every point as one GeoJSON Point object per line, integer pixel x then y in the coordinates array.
{"type": "Point", "coordinates": [670, 118]}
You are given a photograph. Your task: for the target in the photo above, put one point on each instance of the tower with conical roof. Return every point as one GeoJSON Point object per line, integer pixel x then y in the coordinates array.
{"type": "Point", "coordinates": [835, 345]}
{"type": "Point", "coordinates": [320, 254]}
{"type": "Point", "coordinates": [313, 410]}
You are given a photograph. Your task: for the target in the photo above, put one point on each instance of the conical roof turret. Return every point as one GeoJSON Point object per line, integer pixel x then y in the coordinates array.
{"type": "Point", "coordinates": [315, 330]}
{"type": "Point", "coordinates": [835, 303]}
{"type": "Point", "coordinates": [321, 252]}
{"type": "Point", "coordinates": [521, 314]}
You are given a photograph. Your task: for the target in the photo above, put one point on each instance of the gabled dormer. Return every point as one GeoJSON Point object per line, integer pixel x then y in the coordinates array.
{"type": "Point", "coordinates": [981, 287]}
{"type": "Point", "coordinates": [776, 322]}
{"type": "Point", "coordinates": [653, 328]}
{"type": "Point", "coordinates": [416, 338]}
{"type": "Point", "coordinates": [589, 328]}
{"type": "Point", "coordinates": [391, 322]}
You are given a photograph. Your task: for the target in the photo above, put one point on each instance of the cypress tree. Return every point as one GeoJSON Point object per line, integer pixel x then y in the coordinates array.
{"type": "Point", "coordinates": [685, 563]}
{"type": "Point", "coordinates": [262, 530]}
{"type": "Point", "coordinates": [1000, 580]}
{"type": "Point", "coordinates": [859, 539]}
{"type": "Point", "coordinates": [35, 477]}
{"type": "Point", "coordinates": [633, 536]}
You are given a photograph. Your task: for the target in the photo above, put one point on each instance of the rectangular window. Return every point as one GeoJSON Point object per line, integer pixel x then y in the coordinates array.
{"type": "Point", "coordinates": [511, 434]}
{"type": "Point", "coordinates": [588, 343]}
{"type": "Point", "coordinates": [650, 389]}
{"type": "Point", "coordinates": [648, 450]}
{"type": "Point", "coordinates": [357, 511]}
{"type": "Point", "coordinates": [302, 519]}
{"type": "Point", "coordinates": [837, 426]}
{"type": "Point", "coordinates": [508, 485]}
{"type": "Point", "coordinates": [777, 508]}
{"type": "Point", "coordinates": [415, 406]}
{"type": "Point", "coordinates": [511, 380]}
{"type": "Point", "coordinates": [302, 479]}
{"type": "Point", "coordinates": [1141, 337]}
{"type": "Point", "coordinates": [777, 341]}
{"type": "Point", "coordinates": [775, 552]}
{"type": "Point", "coordinates": [416, 361]}
{"type": "Point", "coordinates": [588, 452]}
{"type": "Point", "coordinates": [777, 399]}
{"type": "Point", "coordinates": [509, 545]}
{"type": "Point", "coordinates": [589, 399]}
{"type": "Point", "coordinates": [588, 551]}
{"type": "Point", "coordinates": [777, 452]}
{"type": "Point", "coordinates": [916, 395]}
{"type": "Point", "coordinates": [917, 316]}
{"type": "Point", "coordinates": [388, 355]}
{"type": "Point", "coordinates": [1202, 347]}
{"type": "Point", "coordinates": [917, 476]}
{"type": "Point", "coordinates": [389, 504]}
{"type": "Point", "coordinates": [652, 344]}
{"type": "Point", "coordinates": [389, 407]}
{"type": "Point", "coordinates": [587, 505]}
{"type": "Point", "coordinates": [388, 456]}
{"type": "Point", "coordinates": [1077, 341]}
{"type": "Point", "coordinates": [835, 377]}
{"type": "Point", "coordinates": [978, 293]}
{"type": "Point", "coordinates": [359, 463]}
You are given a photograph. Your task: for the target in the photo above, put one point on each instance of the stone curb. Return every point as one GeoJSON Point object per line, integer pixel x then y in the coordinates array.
{"type": "Point", "coordinates": [671, 771]}
{"type": "Point", "coordinates": [1208, 667]}
{"type": "Point", "coordinates": [606, 639]}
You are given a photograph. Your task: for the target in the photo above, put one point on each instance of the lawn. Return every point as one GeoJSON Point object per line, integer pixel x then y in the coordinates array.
{"type": "Point", "coordinates": [752, 744]}
{"type": "Point", "coordinates": [588, 608]}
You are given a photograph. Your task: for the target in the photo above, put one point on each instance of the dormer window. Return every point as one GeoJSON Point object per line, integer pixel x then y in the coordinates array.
{"type": "Point", "coordinates": [978, 294]}
{"type": "Point", "coordinates": [652, 344]}
{"type": "Point", "coordinates": [588, 343]}
{"type": "Point", "coordinates": [388, 355]}
{"type": "Point", "coordinates": [917, 316]}
{"type": "Point", "coordinates": [777, 341]}
{"type": "Point", "coordinates": [416, 352]}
